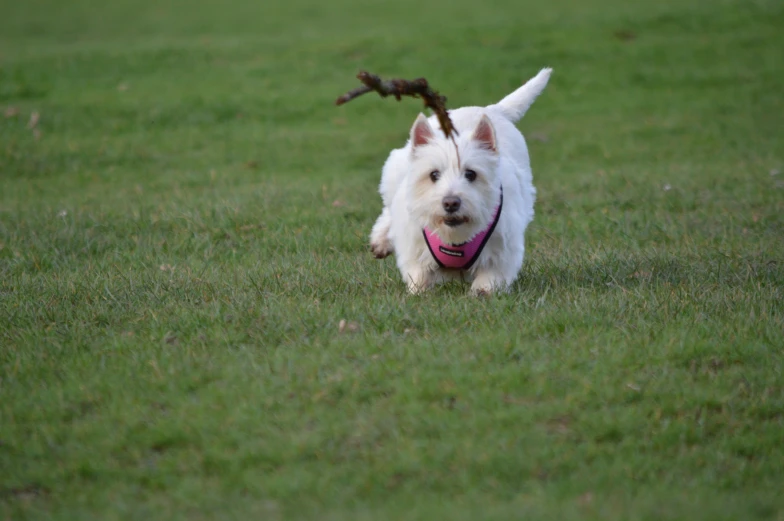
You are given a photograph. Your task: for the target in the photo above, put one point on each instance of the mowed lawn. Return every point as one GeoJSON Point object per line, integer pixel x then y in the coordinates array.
{"type": "Point", "coordinates": [183, 223]}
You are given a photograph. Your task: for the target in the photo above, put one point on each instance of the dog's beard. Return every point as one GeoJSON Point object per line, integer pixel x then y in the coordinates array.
{"type": "Point", "coordinates": [454, 221]}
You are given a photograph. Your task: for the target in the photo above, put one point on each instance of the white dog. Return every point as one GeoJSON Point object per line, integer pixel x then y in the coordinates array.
{"type": "Point", "coordinates": [460, 209]}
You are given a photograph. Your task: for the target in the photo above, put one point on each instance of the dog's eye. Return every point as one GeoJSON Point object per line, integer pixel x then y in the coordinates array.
{"type": "Point", "coordinates": [434, 175]}
{"type": "Point", "coordinates": [470, 175]}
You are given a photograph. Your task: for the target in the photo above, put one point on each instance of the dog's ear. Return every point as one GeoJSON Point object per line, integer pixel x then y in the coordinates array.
{"type": "Point", "coordinates": [421, 132]}
{"type": "Point", "coordinates": [484, 134]}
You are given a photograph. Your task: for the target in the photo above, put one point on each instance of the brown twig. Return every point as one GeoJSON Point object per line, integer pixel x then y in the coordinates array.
{"type": "Point", "coordinates": [417, 88]}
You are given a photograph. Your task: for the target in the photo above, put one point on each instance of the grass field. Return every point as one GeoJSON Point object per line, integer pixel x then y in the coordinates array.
{"type": "Point", "coordinates": [183, 228]}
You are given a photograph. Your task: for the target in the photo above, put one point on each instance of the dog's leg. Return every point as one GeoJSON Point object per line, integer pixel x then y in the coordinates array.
{"type": "Point", "coordinates": [488, 281]}
{"type": "Point", "coordinates": [380, 244]}
{"type": "Point", "coordinates": [418, 279]}
{"type": "Point", "coordinates": [500, 270]}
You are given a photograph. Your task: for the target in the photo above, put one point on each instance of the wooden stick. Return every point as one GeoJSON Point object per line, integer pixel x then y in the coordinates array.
{"type": "Point", "coordinates": [417, 88]}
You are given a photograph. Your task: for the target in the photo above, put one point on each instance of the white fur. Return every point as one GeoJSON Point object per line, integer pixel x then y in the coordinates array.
{"type": "Point", "coordinates": [412, 201]}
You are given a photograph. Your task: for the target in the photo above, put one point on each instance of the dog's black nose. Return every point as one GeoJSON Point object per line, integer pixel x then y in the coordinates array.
{"type": "Point", "coordinates": [451, 203]}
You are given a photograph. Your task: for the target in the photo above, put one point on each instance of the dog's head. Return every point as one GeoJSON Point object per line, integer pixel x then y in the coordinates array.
{"type": "Point", "coordinates": [454, 191]}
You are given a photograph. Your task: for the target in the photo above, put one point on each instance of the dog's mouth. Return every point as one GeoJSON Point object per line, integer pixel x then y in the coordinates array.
{"type": "Point", "coordinates": [454, 222]}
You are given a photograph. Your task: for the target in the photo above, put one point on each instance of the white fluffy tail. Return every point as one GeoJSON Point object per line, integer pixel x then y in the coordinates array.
{"type": "Point", "coordinates": [515, 105]}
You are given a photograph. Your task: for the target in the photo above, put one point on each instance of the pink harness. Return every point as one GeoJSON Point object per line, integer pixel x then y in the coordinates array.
{"type": "Point", "coordinates": [461, 256]}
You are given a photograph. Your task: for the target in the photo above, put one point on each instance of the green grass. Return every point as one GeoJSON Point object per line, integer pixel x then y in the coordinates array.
{"type": "Point", "coordinates": [185, 227]}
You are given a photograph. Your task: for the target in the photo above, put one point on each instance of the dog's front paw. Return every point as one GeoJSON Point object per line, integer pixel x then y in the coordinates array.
{"type": "Point", "coordinates": [417, 289]}
{"type": "Point", "coordinates": [380, 244]}
{"type": "Point", "coordinates": [419, 281]}
{"type": "Point", "coordinates": [381, 249]}
{"type": "Point", "coordinates": [481, 292]}
{"type": "Point", "coordinates": [485, 285]}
